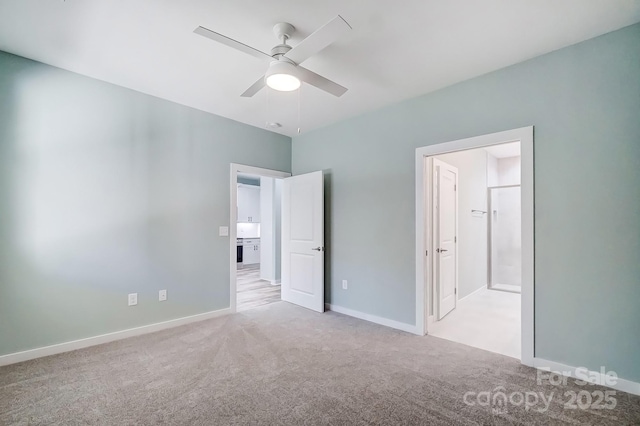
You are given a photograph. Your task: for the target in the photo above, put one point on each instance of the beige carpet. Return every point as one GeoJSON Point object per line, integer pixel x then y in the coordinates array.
{"type": "Point", "coordinates": [280, 364]}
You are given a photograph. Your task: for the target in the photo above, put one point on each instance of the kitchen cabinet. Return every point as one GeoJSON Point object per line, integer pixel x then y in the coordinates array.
{"type": "Point", "coordinates": [251, 251]}
{"type": "Point", "coordinates": [248, 203]}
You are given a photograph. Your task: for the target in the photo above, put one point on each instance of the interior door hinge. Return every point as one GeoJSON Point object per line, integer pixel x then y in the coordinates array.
{"type": "Point", "coordinates": [455, 239]}
{"type": "Point", "coordinates": [426, 253]}
{"type": "Point", "coordinates": [455, 291]}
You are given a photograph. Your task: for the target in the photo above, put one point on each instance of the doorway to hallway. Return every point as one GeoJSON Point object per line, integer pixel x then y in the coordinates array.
{"type": "Point", "coordinates": [288, 222]}
{"type": "Point", "coordinates": [255, 264]}
{"type": "Point", "coordinates": [258, 240]}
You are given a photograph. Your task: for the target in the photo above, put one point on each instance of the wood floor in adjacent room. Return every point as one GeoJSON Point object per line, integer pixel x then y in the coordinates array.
{"type": "Point", "coordinates": [252, 291]}
{"type": "Point", "coordinates": [280, 364]}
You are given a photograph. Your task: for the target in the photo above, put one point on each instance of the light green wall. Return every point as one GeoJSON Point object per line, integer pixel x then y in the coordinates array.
{"type": "Point", "coordinates": [105, 191]}
{"type": "Point", "coordinates": [584, 102]}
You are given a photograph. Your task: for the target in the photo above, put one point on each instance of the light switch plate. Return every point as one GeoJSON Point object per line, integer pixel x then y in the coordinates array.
{"type": "Point", "coordinates": [162, 295]}
{"type": "Point", "coordinates": [223, 231]}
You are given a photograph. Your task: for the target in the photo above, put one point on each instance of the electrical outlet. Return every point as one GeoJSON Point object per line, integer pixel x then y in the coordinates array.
{"type": "Point", "coordinates": [162, 295]}
{"type": "Point", "coordinates": [344, 284]}
{"type": "Point", "coordinates": [133, 299]}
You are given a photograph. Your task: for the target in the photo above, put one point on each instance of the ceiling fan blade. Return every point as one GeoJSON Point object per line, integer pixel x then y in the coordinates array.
{"type": "Point", "coordinates": [320, 82]}
{"type": "Point", "coordinates": [320, 39]}
{"type": "Point", "coordinates": [255, 88]}
{"type": "Point", "coordinates": [232, 43]}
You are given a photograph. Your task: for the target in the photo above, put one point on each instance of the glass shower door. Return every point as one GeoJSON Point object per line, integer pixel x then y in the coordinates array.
{"type": "Point", "coordinates": [505, 244]}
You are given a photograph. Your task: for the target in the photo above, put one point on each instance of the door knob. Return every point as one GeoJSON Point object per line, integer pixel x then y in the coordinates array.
{"type": "Point", "coordinates": [441, 250]}
{"type": "Point", "coordinates": [318, 249]}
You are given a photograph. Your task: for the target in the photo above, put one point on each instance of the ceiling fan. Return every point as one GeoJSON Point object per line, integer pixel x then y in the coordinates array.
{"type": "Point", "coordinates": [284, 72]}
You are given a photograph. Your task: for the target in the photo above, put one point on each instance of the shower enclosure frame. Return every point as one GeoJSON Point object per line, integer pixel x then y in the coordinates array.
{"type": "Point", "coordinates": [490, 239]}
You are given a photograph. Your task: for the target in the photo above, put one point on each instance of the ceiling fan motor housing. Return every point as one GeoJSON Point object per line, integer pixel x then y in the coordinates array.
{"type": "Point", "coordinates": [283, 31]}
{"type": "Point", "coordinates": [280, 50]}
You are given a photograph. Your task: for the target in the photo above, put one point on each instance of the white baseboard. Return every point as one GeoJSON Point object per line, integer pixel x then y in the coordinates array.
{"type": "Point", "coordinates": [586, 375]}
{"type": "Point", "coordinates": [105, 338]}
{"type": "Point", "coordinates": [472, 293]}
{"type": "Point", "coordinates": [409, 328]}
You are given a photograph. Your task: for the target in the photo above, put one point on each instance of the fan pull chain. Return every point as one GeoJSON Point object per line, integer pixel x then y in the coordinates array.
{"type": "Point", "coordinates": [299, 101]}
{"type": "Point", "coordinates": [266, 106]}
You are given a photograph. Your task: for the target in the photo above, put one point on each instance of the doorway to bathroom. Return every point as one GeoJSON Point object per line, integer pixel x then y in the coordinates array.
{"type": "Point", "coordinates": [477, 257]}
{"type": "Point", "coordinates": [477, 273]}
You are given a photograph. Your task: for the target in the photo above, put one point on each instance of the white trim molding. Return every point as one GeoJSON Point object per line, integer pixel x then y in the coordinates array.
{"type": "Point", "coordinates": [409, 328]}
{"type": "Point", "coordinates": [106, 338]}
{"type": "Point", "coordinates": [583, 374]}
{"type": "Point", "coordinates": [423, 271]}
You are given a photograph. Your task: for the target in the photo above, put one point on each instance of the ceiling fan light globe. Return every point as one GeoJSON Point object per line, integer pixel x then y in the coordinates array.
{"type": "Point", "coordinates": [283, 82]}
{"type": "Point", "coordinates": [282, 76]}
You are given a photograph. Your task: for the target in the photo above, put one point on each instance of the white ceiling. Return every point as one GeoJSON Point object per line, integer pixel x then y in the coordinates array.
{"type": "Point", "coordinates": [396, 50]}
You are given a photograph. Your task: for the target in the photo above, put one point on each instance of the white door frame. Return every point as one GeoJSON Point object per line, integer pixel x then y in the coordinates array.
{"type": "Point", "coordinates": [424, 273]}
{"type": "Point", "coordinates": [233, 212]}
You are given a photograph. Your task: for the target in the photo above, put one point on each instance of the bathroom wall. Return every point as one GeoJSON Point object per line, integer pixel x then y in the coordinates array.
{"type": "Point", "coordinates": [509, 171]}
{"type": "Point", "coordinates": [492, 171]}
{"type": "Point", "coordinates": [503, 171]}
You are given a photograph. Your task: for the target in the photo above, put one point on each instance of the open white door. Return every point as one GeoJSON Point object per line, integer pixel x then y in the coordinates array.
{"type": "Point", "coordinates": [446, 225]}
{"type": "Point", "coordinates": [303, 241]}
